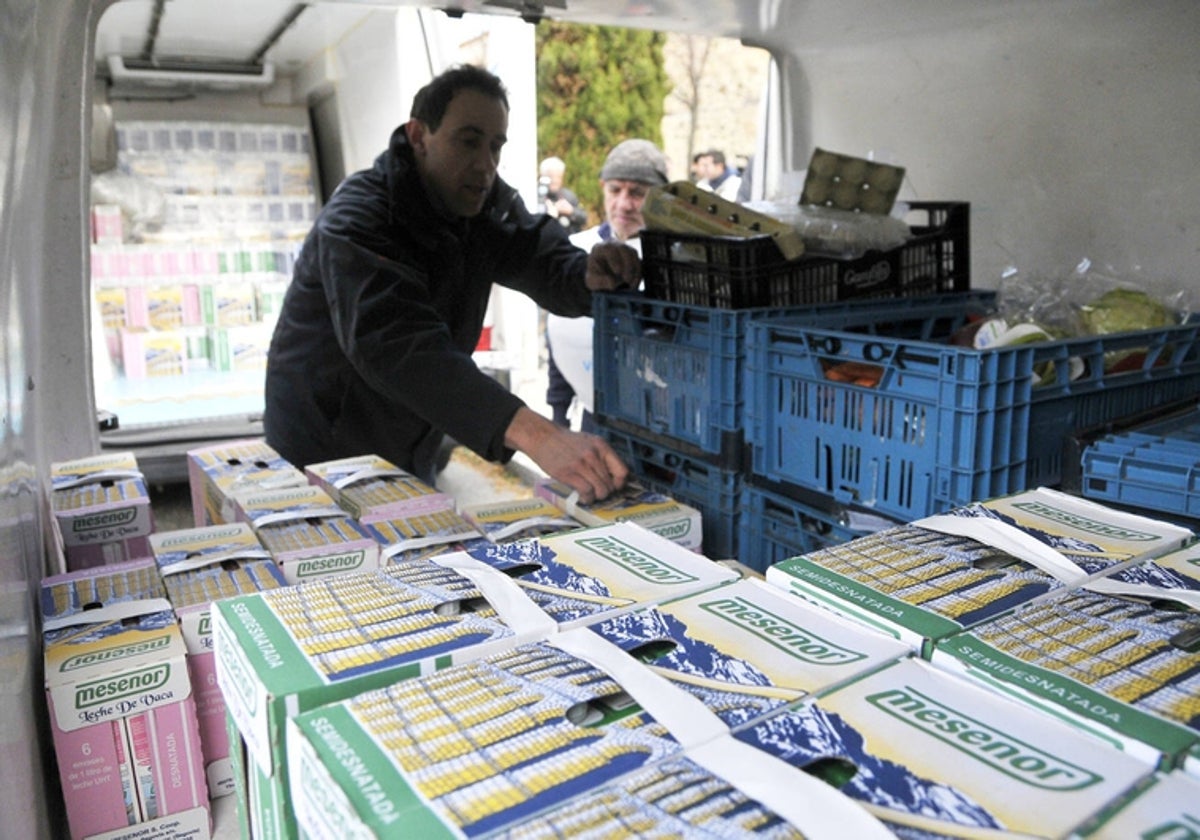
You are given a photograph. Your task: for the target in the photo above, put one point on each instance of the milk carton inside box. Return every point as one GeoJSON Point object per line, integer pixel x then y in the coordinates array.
{"type": "Point", "coordinates": [101, 509]}
{"type": "Point", "coordinates": [413, 534]}
{"type": "Point", "coordinates": [929, 752]}
{"type": "Point", "coordinates": [199, 566]}
{"type": "Point", "coordinates": [485, 746]}
{"type": "Point", "coordinates": [372, 488]}
{"type": "Point", "coordinates": [1167, 806]}
{"type": "Point", "coordinates": [216, 472]}
{"type": "Point", "coordinates": [512, 519]}
{"type": "Point", "coordinates": [327, 639]}
{"type": "Point", "coordinates": [122, 713]}
{"type": "Point", "coordinates": [1119, 658]}
{"type": "Point", "coordinates": [934, 577]}
{"type": "Point", "coordinates": [749, 644]}
{"type": "Point", "coordinates": [661, 514]}
{"type": "Point", "coordinates": [307, 534]}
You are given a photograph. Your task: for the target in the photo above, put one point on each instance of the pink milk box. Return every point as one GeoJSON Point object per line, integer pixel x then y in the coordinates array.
{"type": "Point", "coordinates": [122, 712]}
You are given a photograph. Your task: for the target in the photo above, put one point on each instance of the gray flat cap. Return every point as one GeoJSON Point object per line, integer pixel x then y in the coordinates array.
{"type": "Point", "coordinates": [635, 160]}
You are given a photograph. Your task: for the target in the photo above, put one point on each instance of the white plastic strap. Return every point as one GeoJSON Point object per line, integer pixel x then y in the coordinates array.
{"type": "Point", "coordinates": [114, 612]}
{"type": "Point", "coordinates": [1008, 539]}
{"type": "Point", "coordinates": [516, 609]}
{"type": "Point", "coordinates": [817, 809]}
{"type": "Point", "coordinates": [1105, 586]}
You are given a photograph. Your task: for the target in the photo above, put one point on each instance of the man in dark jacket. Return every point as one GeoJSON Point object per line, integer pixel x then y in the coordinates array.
{"type": "Point", "coordinates": [372, 351]}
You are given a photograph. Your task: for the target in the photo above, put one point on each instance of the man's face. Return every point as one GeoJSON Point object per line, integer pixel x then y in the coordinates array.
{"type": "Point", "coordinates": [457, 163]}
{"type": "Point", "coordinates": [623, 202]}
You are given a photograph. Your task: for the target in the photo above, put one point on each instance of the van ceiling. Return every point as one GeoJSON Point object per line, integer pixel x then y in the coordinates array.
{"type": "Point", "coordinates": [288, 34]}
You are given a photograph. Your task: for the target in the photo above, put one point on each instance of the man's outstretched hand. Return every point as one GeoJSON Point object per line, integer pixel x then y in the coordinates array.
{"type": "Point", "coordinates": [612, 265]}
{"type": "Point", "coordinates": [584, 462]}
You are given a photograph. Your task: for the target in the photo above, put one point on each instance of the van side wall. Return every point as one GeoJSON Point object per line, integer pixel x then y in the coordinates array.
{"type": "Point", "coordinates": [1070, 126]}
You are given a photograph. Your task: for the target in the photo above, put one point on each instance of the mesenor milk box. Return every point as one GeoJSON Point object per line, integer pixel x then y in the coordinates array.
{"type": "Point", "coordinates": [372, 488]}
{"type": "Point", "coordinates": [122, 713]}
{"type": "Point", "coordinates": [505, 520]}
{"type": "Point", "coordinates": [480, 748]}
{"type": "Point", "coordinates": [218, 471]}
{"type": "Point", "coordinates": [101, 510]}
{"type": "Point", "coordinates": [927, 751]}
{"type": "Point", "coordinates": [939, 575]}
{"type": "Point", "coordinates": [282, 652]}
{"type": "Point", "coordinates": [581, 576]}
{"type": "Point", "coordinates": [654, 511]}
{"type": "Point", "coordinates": [199, 566]}
{"type": "Point", "coordinates": [1118, 658]}
{"type": "Point", "coordinates": [1166, 807]}
{"type": "Point", "coordinates": [307, 534]}
{"type": "Point", "coordinates": [747, 648]}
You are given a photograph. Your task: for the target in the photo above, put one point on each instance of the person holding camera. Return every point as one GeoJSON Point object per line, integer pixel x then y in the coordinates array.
{"type": "Point", "coordinates": [560, 202]}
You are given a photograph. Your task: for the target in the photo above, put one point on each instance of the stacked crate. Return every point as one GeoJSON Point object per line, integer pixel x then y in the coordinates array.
{"type": "Point", "coordinates": [671, 366]}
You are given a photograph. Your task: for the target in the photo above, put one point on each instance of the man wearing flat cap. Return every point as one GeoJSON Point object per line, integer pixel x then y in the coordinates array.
{"type": "Point", "coordinates": [629, 171]}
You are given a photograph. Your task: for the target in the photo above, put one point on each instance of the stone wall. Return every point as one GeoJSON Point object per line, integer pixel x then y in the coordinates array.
{"type": "Point", "coordinates": [720, 109]}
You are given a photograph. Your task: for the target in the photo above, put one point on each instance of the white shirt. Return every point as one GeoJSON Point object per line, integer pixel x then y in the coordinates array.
{"type": "Point", "coordinates": [571, 338]}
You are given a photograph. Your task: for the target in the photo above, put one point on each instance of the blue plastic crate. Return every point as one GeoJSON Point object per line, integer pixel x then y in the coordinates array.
{"type": "Point", "coordinates": [943, 425]}
{"type": "Point", "coordinates": [678, 371]}
{"type": "Point", "coordinates": [1155, 467]}
{"type": "Point", "coordinates": [713, 491]}
{"type": "Point", "coordinates": [776, 526]}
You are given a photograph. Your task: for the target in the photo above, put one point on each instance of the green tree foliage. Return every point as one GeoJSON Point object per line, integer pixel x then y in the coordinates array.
{"type": "Point", "coordinates": [596, 86]}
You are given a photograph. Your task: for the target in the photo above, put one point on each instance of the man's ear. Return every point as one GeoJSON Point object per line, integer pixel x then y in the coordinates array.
{"type": "Point", "coordinates": [416, 131]}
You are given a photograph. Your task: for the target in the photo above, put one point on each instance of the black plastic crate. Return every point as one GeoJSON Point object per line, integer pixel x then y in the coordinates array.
{"type": "Point", "coordinates": [728, 272]}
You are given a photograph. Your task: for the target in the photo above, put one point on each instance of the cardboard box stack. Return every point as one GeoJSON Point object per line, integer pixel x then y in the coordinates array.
{"type": "Point", "coordinates": [407, 517]}
{"type": "Point", "coordinates": [101, 510]}
{"type": "Point", "coordinates": [283, 652]}
{"type": "Point", "coordinates": [122, 709]}
{"type": "Point", "coordinates": [200, 566]}
{"type": "Point", "coordinates": [513, 519]}
{"type": "Point", "coordinates": [1118, 654]}
{"type": "Point", "coordinates": [306, 533]}
{"type": "Point", "coordinates": [941, 574]}
{"type": "Point", "coordinates": [216, 472]}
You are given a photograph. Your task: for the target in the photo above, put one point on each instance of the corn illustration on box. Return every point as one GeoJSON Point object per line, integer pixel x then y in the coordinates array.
{"type": "Point", "coordinates": [511, 519]}
{"type": "Point", "coordinates": [372, 488]}
{"type": "Point", "coordinates": [934, 577]}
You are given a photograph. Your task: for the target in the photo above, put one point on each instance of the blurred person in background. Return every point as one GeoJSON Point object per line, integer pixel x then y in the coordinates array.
{"type": "Point", "coordinates": [717, 176]}
{"type": "Point", "coordinates": [630, 170]}
{"type": "Point", "coordinates": [560, 202]}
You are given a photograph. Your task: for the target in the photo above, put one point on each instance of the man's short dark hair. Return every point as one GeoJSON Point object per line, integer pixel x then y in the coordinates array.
{"type": "Point", "coordinates": [716, 155]}
{"type": "Point", "coordinates": [431, 101]}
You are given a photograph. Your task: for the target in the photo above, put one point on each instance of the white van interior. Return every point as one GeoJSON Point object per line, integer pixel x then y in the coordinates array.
{"type": "Point", "coordinates": [1069, 125]}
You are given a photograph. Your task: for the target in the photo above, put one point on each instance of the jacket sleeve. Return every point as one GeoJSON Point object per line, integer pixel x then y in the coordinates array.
{"type": "Point", "coordinates": [388, 328]}
{"type": "Point", "coordinates": [540, 261]}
